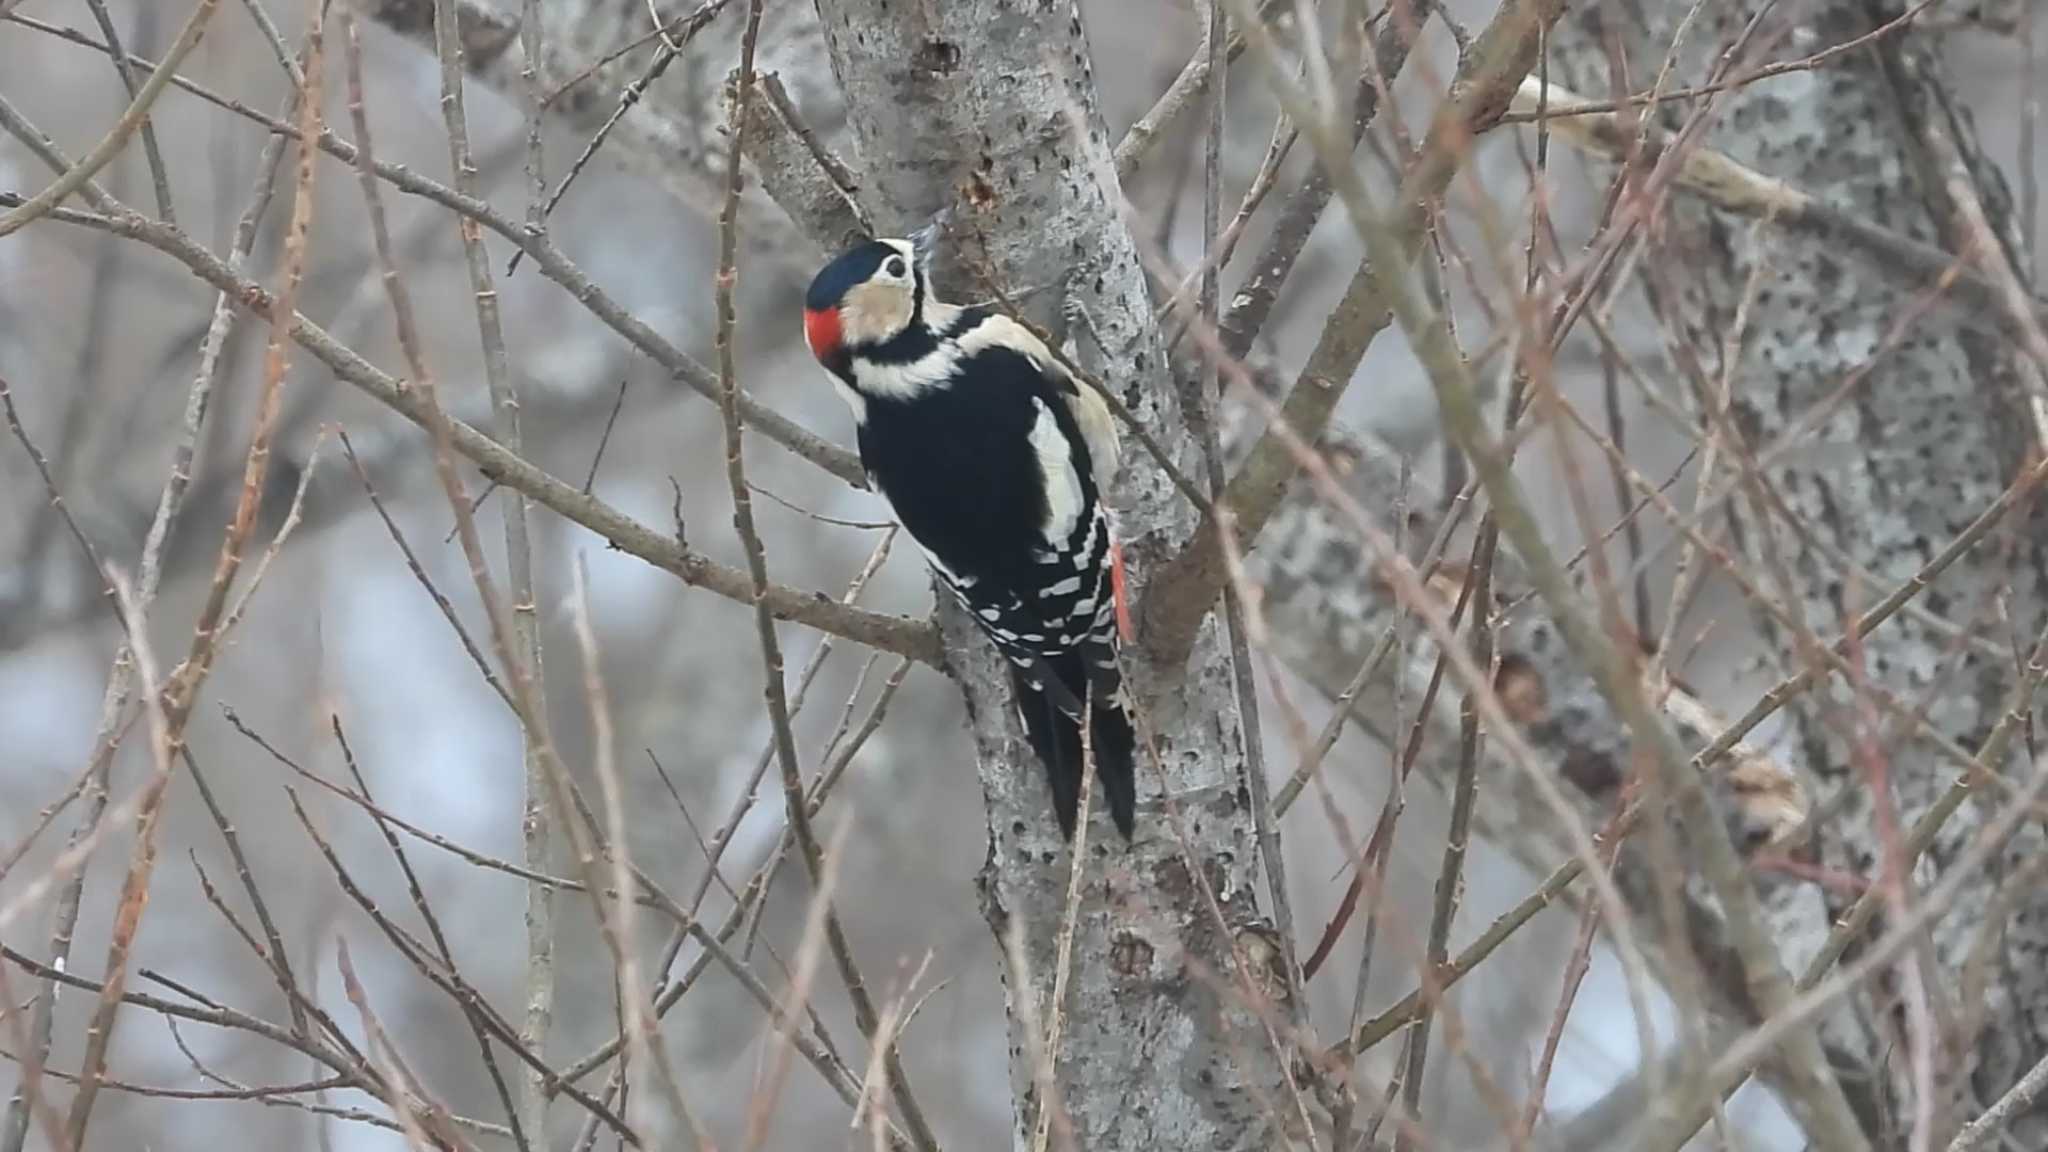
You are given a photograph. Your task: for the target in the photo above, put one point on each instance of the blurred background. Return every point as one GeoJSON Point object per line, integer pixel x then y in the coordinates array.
{"type": "Point", "coordinates": [99, 340]}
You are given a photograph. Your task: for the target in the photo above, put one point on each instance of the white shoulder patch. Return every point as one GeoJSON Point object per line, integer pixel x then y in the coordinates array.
{"type": "Point", "coordinates": [1062, 484]}
{"type": "Point", "coordinates": [999, 331]}
{"type": "Point", "coordinates": [1098, 426]}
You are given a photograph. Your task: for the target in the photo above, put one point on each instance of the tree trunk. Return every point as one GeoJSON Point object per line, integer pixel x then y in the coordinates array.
{"type": "Point", "coordinates": [988, 107]}
{"type": "Point", "coordinates": [1927, 438]}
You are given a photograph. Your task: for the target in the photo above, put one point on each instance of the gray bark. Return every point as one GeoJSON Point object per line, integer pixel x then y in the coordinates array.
{"type": "Point", "coordinates": [996, 100]}
{"type": "Point", "coordinates": [1325, 618]}
{"type": "Point", "coordinates": [977, 95]}
{"type": "Point", "coordinates": [1928, 439]}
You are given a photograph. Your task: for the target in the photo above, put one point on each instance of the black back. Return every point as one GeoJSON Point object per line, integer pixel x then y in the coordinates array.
{"type": "Point", "coordinates": [957, 467]}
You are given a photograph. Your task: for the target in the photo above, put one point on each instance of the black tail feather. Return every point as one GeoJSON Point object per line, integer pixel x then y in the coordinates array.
{"type": "Point", "coordinates": [1115, 747]}
{"type": "Point", "coordinates": [1056, 737]}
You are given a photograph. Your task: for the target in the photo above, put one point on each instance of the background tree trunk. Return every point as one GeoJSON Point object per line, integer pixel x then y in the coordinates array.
{"type": "Point", "coordinates": [1886, 423]}
{"type": "Point", "coordinates": [1934, 427]}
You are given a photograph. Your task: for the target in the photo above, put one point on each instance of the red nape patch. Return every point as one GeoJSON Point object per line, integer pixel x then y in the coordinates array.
{"type": "Point", "coordinates": [821, 331]}
{"type": "Point", "coordinates": [1116, 593]}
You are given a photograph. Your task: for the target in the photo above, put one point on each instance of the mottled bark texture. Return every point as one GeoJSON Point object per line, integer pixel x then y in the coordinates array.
{"type": "Point", "coordinates": [1325, 619]}
{"type": "Point", "coordinates": [1927, 437]}
{"type": "Point", "coordinates": [988, 107]}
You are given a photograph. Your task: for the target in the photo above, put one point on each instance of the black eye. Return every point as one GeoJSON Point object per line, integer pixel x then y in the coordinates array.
{"type": "Point", "coordinates": [894, 267]}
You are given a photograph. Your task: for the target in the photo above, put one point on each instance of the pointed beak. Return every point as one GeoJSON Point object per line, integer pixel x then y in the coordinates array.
{"type": "Point", "coordinates": [925, 240]}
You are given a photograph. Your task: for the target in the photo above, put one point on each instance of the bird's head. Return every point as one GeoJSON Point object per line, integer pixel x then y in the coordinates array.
{"type": "Point", "coordinates": [868, 295]}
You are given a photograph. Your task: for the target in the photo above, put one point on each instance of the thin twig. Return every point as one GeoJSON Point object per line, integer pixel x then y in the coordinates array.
{"type": "Point", "coordinates": [536, 820]}
{"type": "Point", "coordinates": [451, 983]}
{"type": "Point", "coordinates": [673, 36]}
{"type": "Point", "coordinates": [1182, 593]}
{"type": "Point", "coordinates": [525, 691]}
{"type": "Point", "coordinates": [1725, 183]}
{"type": "Point", "coordinates": [917, 639]}
{"type": "Point", "coordinates": [864, 1013]}
{"type": "Point", "coordinates": [605, 438]}
{"type": "Point", "coordinates": [120, 677]}
{"type": "Point", "coordinates": [817, 919]}
{"type": "Point", "coordinates": [278, 956]}
{"type": "Point", "coordinates": [417, 892]}
{"type": "Point", "coordinates": [419, 573]}
{"type": "Point", "coordinates": [1200, 406]}
{"type": "Point", "coordinates": [1194, 77]}
{"type": "Point", "coordinates": [643, 1037]}
{"type": "Point", "coordinates": [183, 686]}
{"type": "Point", "coordinates": [1818, 1097]}
{"type": "Point", "coordinates": [1050, 1106]}
{"type": "Point", "coordinates": [1341, 711]}
{"type": "Point", "coordinates": [1727, 84]}
{"type": "Point", "coordinates": [159, 176]}
{"type": "Point", "coordinates": [1450, 880]}
{"type": "Point", "coordinates": [756, 889]}
{"type": "Point", "coordinates": [110, 144]}
{"type": "Point", "coordinates": [413, 1120]}
{"type": "Point", "coordinates": [553, 264]}
{"type": "Point", "coordinates": [1251, 304]}
{"type": "Point", "coordinates": [1982, 1132]}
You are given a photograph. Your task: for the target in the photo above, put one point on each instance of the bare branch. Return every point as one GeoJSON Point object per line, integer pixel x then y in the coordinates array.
{"type": "Point", "coordinates": [110, 144]}
{"type": "Point", "coordinates": [764, 624]}
{"type": "Point", "coordinates": [1488, 77]}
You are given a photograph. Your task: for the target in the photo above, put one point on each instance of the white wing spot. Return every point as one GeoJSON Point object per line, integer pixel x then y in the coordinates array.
{"type": "Point", "coordinates": [1062, 483]}
{"type": "Point", "coordinates": [1066, 587]}
{"type": "Point", "coordinates": [1086, 548]}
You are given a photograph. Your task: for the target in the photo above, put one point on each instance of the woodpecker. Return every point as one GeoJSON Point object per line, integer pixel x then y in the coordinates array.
{"type": "Point", "coordinates": [994, 460]}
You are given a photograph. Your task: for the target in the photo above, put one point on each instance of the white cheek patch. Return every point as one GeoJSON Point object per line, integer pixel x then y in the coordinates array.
{"type": "Point", "coordinates": [1062, 483]}
{"type": "Point", "coordinates": [873, 312]}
